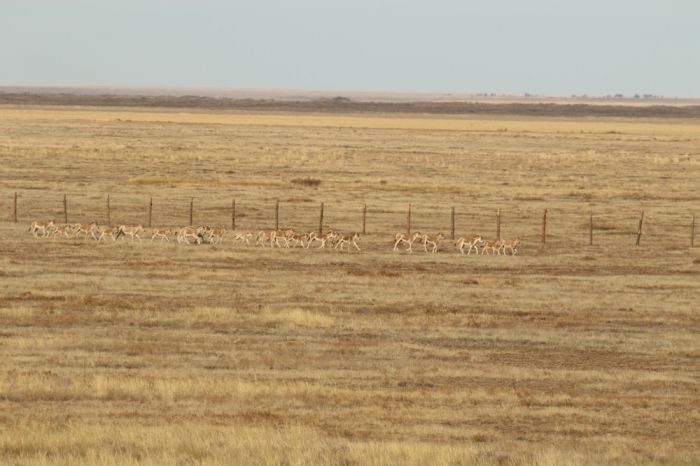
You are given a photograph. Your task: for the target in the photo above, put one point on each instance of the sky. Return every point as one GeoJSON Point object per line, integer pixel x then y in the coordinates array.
{"type": "Point", "coordinates": [546, 47]}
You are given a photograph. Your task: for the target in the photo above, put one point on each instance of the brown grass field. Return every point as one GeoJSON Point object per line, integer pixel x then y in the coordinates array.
{"type": "Point", "coordinates": [158, 353]}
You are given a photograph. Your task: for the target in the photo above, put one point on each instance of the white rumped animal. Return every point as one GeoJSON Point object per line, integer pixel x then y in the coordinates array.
{"type": "Point", "coordinates": [44, 227]}
{"type": "Point", "coordinates": [321, 238]}
{"type": "Point", "coordinates": [162, 233]}
{"type": "Point", "coordinates": [261, 238]}
{"type": "Point", "coordinates": [493, 246]}
{"type": "Point", "coordinates": [400, 238]}
{"type": "Point", "coordinates": [112, 232]}
{"type": "Point", "coordinates": [184, 234]}
{"type": "Point", "coordinates": [348, 239]}
{"type": "Point", "coordinates": [63, 229]}
{"type": "Point", "coordinates": [131, 231]}
{"type": "Point", "coordinates": [434, 240]}
{"type": "Point", "coordinates": [243, 236]}
{"type": "Point", "coordinates": [216, 235]}
{"type": "Point", "coordinates": [472, 242]}
{"type": "Point", "coordinates": [510, 244]}
{"type": "Point", "coordinates": [86, 229]}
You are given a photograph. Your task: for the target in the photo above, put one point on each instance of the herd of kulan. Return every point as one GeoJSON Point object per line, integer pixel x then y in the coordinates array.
{"type": "Point", "coordinates": [275, 238]}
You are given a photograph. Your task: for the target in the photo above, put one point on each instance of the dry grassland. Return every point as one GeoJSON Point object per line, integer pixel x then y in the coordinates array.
{"type": "Point", "coordinates": [154, 353]}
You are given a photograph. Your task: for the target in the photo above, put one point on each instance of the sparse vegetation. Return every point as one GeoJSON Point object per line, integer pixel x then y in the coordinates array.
{"type": "Point", "coordinates": [150, 353]}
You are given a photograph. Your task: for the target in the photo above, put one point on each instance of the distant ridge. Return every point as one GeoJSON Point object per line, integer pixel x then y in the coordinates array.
{"type": "Point", "coordinates": [347, 103]}
{"type": "Point", "coordinates": [311, 94]}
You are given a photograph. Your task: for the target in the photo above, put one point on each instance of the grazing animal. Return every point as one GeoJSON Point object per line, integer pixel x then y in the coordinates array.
{"type": "Point", "coordinates": [185, 233]}
{"type": "Point", "coordinates": [112, 232]}
{"type": "Point", "coordinates": [472, 242]}
{"type": "Point", "coordinates": [162, 233]}
{"type": "Point", "coordinates": [493, 246]}
{"type": "Point", "coordinates": [510, 244]}
{"type": "Point", "coordinates": [216, 235]}
{"type": "Point", "coordinates": [44, 227]}
{"type": "Point", "coordinates": [131, 231]}
{"type": "Point", "coordinates": [348, 239]}
{"type": "Point", "coordinates": [86, 229]}
{"type": "Point", "coordinates": [277, 235]}
{"type": "Point", "coordinates": [242, 236]}
{"type": "Point", "coordinates": [323, 239]}
{"type": "Point", "coordinates": [262, 238]}
{"type": "Point", "coordinates": [434, 240]}
{"type": "Point", "coordinates": [298, 239]}
{"type": "Point", "coordinates": [62, 229]}
{"type": "Point", "coordinates": [400, 238]}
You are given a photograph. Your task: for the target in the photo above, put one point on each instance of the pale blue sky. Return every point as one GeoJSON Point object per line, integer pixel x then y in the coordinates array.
{"type": "Point", "coordinates": [593, 47]}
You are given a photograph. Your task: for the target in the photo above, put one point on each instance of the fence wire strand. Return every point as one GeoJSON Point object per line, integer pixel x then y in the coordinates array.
{"type": "Point", "coordinates": [564, 227]}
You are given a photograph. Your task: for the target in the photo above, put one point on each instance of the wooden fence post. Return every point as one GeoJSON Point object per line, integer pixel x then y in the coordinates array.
{"type": "Point", "coordinates": [65, 209]}
{"type": "Point", "coordinates": [233, 214]}
{"type": "Point", "coordinates": [150, 211]}
{"type": "Point", "coordinates": [408, 220]}
{"type": "Point", "coordinates": [15, 208]}
{"type": "Point", "coordinates": [590, 231]}
{"type": "Point", "coordinates": [498, 224]}
{"type": "Point", "coordinates": [692, 232]}
{"type": "Point", "coordinates": [320, 221]}
{"type": "Point", "coordinates": [109, 213]}
{"type": "Point", "coordinates": [277, 215]}
{"type": "Point", "coordinates": [544, 228]}
{"type": "Point", "coordinates": [191, 211]}
{"type": "Point", "coordinates": [639, 228]}
{"type": "Point", "coordinates": [453, 223]}
{"type": "Point", "coordinates": [364, 219]}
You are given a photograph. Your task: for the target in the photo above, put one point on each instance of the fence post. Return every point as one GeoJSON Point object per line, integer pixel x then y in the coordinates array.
{"type": "Point", "coordinates": [191, 211]}
{"type": "Point", "coordinates": [150, 211]}
{"type": "Point", "coordinates": [15, 208]}
{"type": "Point", "coordinates": [692, 232]}
{"type": "Point", "coordinates": [277, 215]}
{"type": "Point", "coordinates": [544, 228]}
{"type": "Point", "coordinates": [498, 224]}
{"type": "Point", "coordinates": [408, 220]}
{"type": "Point", "coordinates": [65, 209]}
{"type": "Point", "coordinates": [320, 221]}
{"type": "Point", "coordinates": [639, 228]}
{"type": "Point", "coordinates": [233, 214]}
{"type": "Point", "coordinates": [590, 231]}
{"type": "Point", "coordinates": [453, 223]}
{"type": "Point", "coordinates": [364, 220]}
{"type": "Point", "coordinates": [109, 213]}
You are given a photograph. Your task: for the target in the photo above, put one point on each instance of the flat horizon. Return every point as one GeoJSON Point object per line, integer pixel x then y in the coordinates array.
{"type": "Point", "coordinates": [354, 94]}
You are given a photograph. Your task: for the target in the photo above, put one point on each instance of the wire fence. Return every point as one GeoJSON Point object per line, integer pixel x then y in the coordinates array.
{"type": "Point", "coordinates": [548, 227]}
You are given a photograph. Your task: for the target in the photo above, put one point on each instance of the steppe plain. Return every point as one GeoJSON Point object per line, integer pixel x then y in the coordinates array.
{"type": "Point", "coordinates": [159, 353]}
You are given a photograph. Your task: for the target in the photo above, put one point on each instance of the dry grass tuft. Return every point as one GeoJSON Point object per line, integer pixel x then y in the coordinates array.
{"type": "Point", "coordinates": [299, 317]}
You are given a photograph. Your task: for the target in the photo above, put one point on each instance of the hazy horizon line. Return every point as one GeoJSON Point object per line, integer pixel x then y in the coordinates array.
{"type": "Point", "coordinates": [332, 92]}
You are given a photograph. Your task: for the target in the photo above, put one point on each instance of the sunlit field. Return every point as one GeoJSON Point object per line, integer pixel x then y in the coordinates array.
{"type": "Point", "coordinates": [128, 352]}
